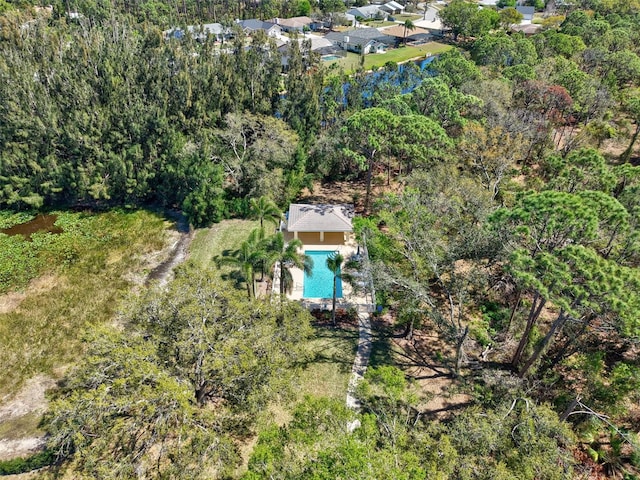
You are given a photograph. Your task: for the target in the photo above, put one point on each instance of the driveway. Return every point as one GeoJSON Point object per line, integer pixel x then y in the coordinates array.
{"type": "Point", "coordinates": [430, 20]}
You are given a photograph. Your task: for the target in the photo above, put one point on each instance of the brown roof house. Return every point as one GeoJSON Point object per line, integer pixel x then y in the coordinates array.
{"type": "Point", "coordinates": [294, 24]}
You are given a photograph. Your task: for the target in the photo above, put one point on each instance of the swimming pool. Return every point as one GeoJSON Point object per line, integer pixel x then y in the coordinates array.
{"type": "Point", "coordinates": [328, 58]}
{"type": "Point", "coordinates": [320, 283]}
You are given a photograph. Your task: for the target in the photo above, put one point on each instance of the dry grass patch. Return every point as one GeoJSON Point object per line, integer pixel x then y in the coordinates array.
{"type": "Point", "coordinates": [84, 282]}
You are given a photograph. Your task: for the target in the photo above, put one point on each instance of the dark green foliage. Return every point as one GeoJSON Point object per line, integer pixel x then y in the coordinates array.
{"type": "Point", "coordinates": [301, 105]}
{"type": "Point", "coordinates": [518, 441]}
{"type": "Point", "coordinates": [120, 403]}
{"type": "Point", "coordinates": [465, 19]}
{"type": "Point", "coordinates": [205, 203]}
{"type": "Point", "coordinates": [125, 117]}
{"type": "Point", "coordinates": [446, 106]}
{"type": "Point", "coordinates": [23, 465]}
{"type": "Point", "coordinates": [504, 51]}
{"type": "Point", "coordinates": [495, 315]}
{"type": "Point", "coordinates": [455, 69]}
{"type": "Point", "coordinates": [555, 43]}
{"type": "Point", "coordinates": [152, 385]}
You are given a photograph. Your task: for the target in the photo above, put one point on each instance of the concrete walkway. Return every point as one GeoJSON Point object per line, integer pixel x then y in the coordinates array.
{"type": "Point", "coordinates": [362, 355]}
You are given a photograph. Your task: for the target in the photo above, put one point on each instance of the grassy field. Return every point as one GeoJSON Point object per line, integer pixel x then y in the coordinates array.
{"type": "Point", "coordinates": [351, 62]}
{"type": "Point", "coordinates": [80, 278]}
{"type": "Point", "coordinates": [213, 241]}
{"type": "Point", "coordinates": [378, 23]}
{"type": "Point", "coordinates": [408, 16]}
{"type": "Point", "coordinates": [328, 373]}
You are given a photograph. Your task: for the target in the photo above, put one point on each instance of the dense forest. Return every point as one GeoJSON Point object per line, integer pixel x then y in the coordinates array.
{"type": "Point", "coordinates": [123, 117]}
{"type": "Point", "coordinates": [499, 202]}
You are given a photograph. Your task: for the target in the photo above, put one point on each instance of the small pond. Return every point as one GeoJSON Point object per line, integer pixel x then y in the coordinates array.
{"type": "Point", "coordinates": [42, 223]}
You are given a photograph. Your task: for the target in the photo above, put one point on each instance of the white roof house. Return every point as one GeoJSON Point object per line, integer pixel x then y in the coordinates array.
{"type": "Point", "coordinates": [319, 218]}
{"type": "Point", "coordinates": [368, 11]}
{"type": "Point", "coordinates": [200, 32]}
{"type": "Point", "coordinates": [392, 7]}
{"type": "Point", "coordinates": [319, 44]}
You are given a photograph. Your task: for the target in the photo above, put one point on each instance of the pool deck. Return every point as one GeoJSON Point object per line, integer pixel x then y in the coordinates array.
{"type": "Point", "coordinates": [362, 303]}
{"type": "Point", "coordinates": [349, 298]}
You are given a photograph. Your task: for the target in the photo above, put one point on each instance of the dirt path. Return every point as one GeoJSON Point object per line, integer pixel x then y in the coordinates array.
{"type": "Point", "coordinates": [162, 273]}
{"type": "Point", "coordinates": [19, 417]}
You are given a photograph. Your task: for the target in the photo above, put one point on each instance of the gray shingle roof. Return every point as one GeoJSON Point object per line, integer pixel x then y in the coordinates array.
{"type": "Point", "coordinates": [527, 12]}
{"type": "Point", "coordinates": [361, 36]}
{"type": "Point", "coordinates": [254, 24]}
{"type": "Point", "coordinates": [366, 11]}
{"type": "Point", "coordinates": [320, 218]}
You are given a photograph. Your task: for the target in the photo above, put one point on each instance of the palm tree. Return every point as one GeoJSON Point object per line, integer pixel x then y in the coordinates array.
{"type": "Point", "coordinates": [408, 25]}
{"type": "Point", "coordinates": [288, 257]}
{"type": "Point", "coordinates": [334, 263]}
{"type": "Point", "coordinates": [264, 208]}
{"type": "Point", "coordinates": [246, 259]}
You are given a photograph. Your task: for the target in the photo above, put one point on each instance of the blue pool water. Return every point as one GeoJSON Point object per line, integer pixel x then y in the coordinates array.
{"type": "Point", "coordinates": [320, 283]}
{"type": "Point", "coordinates": [328, 58]}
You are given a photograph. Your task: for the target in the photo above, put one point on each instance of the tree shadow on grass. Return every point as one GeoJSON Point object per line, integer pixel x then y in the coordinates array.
{"type": "Point", "coordinates": [381, 352]}
{"type": "Point", "coordinates": [433, 414]}
{"type": "Point", "coordinates": [236, 279]}
{"type": "Point", "coordinates": [329, 347]}
{"type": "Point", "coordinates": [413, 357]}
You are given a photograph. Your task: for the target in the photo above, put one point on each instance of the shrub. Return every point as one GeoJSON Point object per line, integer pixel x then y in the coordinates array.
{"type": "Point", "coordinates": [16, 466]}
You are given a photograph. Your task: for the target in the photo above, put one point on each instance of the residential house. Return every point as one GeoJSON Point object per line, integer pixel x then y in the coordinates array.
{"type": "Point", "coordinates": [351, 19]}
{"type": "Point", "coordinates": [368, 12]}
{"type": "Point", "coordinates": [323, 23]}
{"type": "Point", "coordinates": [362, 40]}
{"type": "Point", "coordinates": [320, 224]}
{"type": "Point", "coordinates": [527, 14]}
{"type": "Point", "coordinates": [324, 230]}
{"type": "Point", "coordinates": [527, 29]}
{"type": "Point", "coordinates": [253, 25]}
{"type": "Point", "coordinates": [200, 32]}
{"type": "Point", "coordinates": [295, 24]}
{"type": "Point", "coordinates": [393, 8]}
{"type": "Point", "coordinates": [319, 45]}
{"type": "Point", "coordinates": [416, 34]}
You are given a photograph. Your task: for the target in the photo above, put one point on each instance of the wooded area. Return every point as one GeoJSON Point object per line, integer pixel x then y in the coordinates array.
{"type": "Point", "coordinates": [499, 202]}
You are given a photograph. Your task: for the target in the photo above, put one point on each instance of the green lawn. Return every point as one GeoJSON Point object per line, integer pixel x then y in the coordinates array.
{"type": "Point", "coordinates": [408, 16]}
{"type": "Point", "coordinates": [226, 235]}
{"type": "Point", "coordinates": [351, 62]}
{"type": "Point", "coordinates": [328, 373]}
{"type": "Point", "coordinates": [378, 23]}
